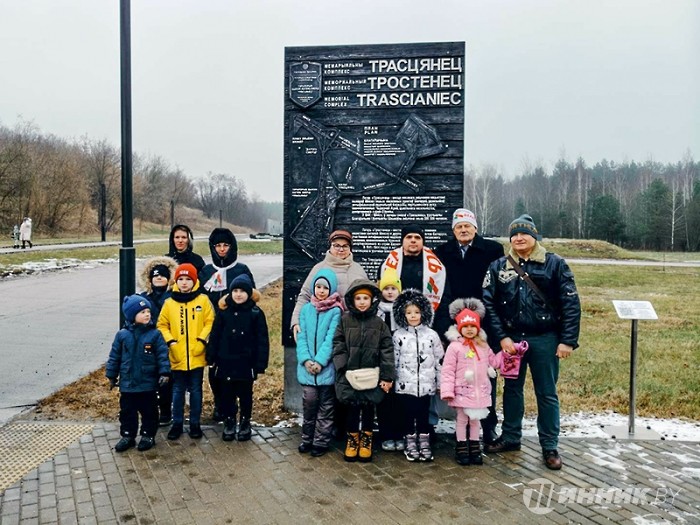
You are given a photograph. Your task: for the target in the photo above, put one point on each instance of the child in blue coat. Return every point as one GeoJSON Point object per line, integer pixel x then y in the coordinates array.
{"type": "Point", "coordinates": [317, 322]}
{"type": "Point", "coordinates": [138, 363]}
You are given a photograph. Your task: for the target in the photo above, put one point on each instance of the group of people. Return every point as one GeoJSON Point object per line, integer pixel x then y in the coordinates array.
{"type": "Point", "coordinates": [432, 328]}
{"type": "Point", "coordinates": [190, 315]}
{"type": "Point", "coordinates": [417, 337]}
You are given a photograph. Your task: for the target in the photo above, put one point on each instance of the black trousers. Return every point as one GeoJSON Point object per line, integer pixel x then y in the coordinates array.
{"type": "Point", "coordinates": [165, 399]}
{"type": "Point", "coordinates": [357, 413]}
{"type": "Point", "coordinates": [131, 404]}
{"type": "Point", "coordinates": [231, 394]}
{"type": "Point", "coordinates": [415, 410]}
{"type": "Point", "coordinates": [390, 417]}
{"type": "Point", "coordinates": [214, 385]}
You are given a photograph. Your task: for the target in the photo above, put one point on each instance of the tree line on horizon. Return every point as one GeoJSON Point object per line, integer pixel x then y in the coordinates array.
{"type": "Point", "coordinates": [74, 186]}
{"type": "Point", "coordinates": [647, 205]}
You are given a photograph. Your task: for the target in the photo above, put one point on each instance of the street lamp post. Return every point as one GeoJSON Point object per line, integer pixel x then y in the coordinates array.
{"type": "Point", "coordinates": [127, 255]}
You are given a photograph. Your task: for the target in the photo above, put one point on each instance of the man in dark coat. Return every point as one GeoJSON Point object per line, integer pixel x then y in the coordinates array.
{"type": "Point", "coordinates": [543, 310]}
{"type": "Point", "coordinates": [466, 258]}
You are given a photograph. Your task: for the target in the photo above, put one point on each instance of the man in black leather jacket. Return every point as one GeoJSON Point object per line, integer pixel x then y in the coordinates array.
{"type": "Point", "coordinates": [516, 313]}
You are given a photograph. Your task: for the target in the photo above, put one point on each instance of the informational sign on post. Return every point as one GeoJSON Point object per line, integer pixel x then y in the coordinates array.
{"type": "Point", "coordinates": [374, 140]}
{"type": "Point", "coordinates": [634, 311]}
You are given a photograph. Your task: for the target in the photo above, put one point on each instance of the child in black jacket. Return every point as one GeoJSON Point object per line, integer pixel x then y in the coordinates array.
{"type": "Point", "coordinates": [239, 350]}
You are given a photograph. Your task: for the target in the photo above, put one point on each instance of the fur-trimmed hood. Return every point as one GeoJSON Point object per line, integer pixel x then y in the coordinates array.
{"type": "Point", "coordinates": [145, 281]}
{"type": "Point", "coordinates": [350, 303]}
{"type": "Point", "coordinates": [412, 296]}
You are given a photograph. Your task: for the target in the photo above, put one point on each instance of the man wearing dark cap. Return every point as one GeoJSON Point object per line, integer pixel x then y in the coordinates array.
{"type": "Point", "coordinates": [467, 257]}
{"type": "Point", "coordinates": [535, 301]}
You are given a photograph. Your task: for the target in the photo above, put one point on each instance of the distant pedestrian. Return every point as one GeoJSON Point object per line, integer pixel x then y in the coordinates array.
{"type": "Point", "coordinates": [25, 232]}
{"type": "Point", "coordinates": [315, 372]}
{"type": "Point", "coordinates": [15, 236]}
{"type": "Point", "coordinates": [186, 321]}
{"type": "Point", "coordinates": [238, 350]}
{"type": "Point", "coordinates": [418, 356]}
{"type": "Point", "coordinates": [138, 363]}
{"type": "Point", "coordinates": [363, 356]}
{"type": "Point", "coordinates": [156, 278]}
{"type": "Point", "coordinates": [181, 246]}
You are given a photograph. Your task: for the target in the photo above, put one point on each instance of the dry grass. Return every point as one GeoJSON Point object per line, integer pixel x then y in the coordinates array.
{"type": "Point", "coordinates": [89, 398]}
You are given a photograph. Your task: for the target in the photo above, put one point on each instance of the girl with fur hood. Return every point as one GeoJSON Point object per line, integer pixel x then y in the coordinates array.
{"type": "Point", "coordinates": [315, 372]}
{"type": "Point", "coordinates": [466, 371]}
{"type": "Point", "coordinates": [156, 279]}
{"type": "Point", "coordinates": [418, 354]}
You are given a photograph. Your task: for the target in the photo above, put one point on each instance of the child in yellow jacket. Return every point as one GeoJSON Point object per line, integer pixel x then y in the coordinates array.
{"type": "Point", "coordinates": [185, 321]}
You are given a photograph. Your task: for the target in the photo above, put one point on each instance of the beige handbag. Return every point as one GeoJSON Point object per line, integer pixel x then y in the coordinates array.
{"type": "Point", "coordinates": [363, 378]}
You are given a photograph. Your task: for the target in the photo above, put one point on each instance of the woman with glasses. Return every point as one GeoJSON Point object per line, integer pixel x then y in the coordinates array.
{"type": "Point", "coordinates": [338, 258]}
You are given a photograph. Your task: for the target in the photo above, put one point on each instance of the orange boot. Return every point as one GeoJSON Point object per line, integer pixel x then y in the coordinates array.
{"type": "Point", "coordinates": [352, 446]}
{"type": "Point", "coordinates": [366, 446]}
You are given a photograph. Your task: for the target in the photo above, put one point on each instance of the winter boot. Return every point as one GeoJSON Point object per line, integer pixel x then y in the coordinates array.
{"type": "Point", "coordinates": [352, 447]}
{"type": "Point", "coordinates": [365, 453]}
{"type": "Point", "coordinates": [195, 431]}
{"type": "Point", "coordinates": [124, 444]}
{"type": "Point", "coordinates": [216, 414]}
{"type": "Point", "coordinates": [175, 431]}
{"type": "Point", "coordinates": [475, 453]}
{"type": "Point", "coordinates": [146, 443]}
{"type": "Point", "coordinates": [462, 453]}
{"type": "Point", "coordinates": [411, 449]}
{"type": "Point", "coordinates": [229, 429]}
{"type": "Point", "coordinates": [245, 432]}
{"type": "Point", "coordinates": [426, 453]}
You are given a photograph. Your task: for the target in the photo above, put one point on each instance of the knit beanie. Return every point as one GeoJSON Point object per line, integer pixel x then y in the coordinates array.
{"type": "Point", "coordinates": [132, 305]}
{"type": "Point", "coordinates": [468, 317]}
{"type": "Point", "coordinates": [390, 277]}
{"type": "Point", "coordinates": [159, 270]}
{"type": "Point", "coordinates": [365, 291]}
{"type": "Point", "coordinates": [219, 235]}
{"type": "Point", "coordinates": [323, 282]}
{"type": "Point", "coordinates": [242, 282]}
{"type": "Point", "coordinates": [412, 228]}
{"type": "Point", "coordinates": [524, 224]}
{"type": "Point", "coordinates": [463, 215]}
{"type": "Point", "coordinates": [187, 270]}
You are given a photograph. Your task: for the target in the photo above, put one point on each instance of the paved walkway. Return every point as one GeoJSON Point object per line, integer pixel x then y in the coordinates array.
{"type": "Point", "coordinates": [267, 481]}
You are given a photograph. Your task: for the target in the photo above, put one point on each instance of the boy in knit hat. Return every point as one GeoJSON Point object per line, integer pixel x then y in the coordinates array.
{"type": "Point", "coordinates": [185, 322]}
{"type": "Point", "coordinates": [389, 416]}
{"type": "Point", "coordinates": [138, 363]}
{"type": "Point", "coordinates": [155, 279]}
{"type": "Point", "coordinates": [238, 351]}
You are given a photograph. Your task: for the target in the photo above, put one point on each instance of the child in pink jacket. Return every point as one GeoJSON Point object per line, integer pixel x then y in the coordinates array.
{"type": "Point", "coordinates": [466, 369]}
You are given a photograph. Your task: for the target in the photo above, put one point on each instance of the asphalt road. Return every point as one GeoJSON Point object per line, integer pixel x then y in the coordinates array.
{"type": "Point", "coordinates": [58, 327]}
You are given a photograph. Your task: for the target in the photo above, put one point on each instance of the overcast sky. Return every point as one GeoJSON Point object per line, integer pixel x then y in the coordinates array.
{"type": "Point", "coordinates": [596, 78]}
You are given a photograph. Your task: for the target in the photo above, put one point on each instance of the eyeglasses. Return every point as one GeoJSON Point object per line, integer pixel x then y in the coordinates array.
{"type": "Point", "coordinates": [340, 246]}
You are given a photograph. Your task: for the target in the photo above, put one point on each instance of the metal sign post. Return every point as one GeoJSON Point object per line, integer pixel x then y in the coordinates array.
{"type": "Point", "coordinates": [635, 311]}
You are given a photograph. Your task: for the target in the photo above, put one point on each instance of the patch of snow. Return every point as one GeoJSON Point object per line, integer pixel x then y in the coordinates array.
{"type": "Point", "coordinates": [52, 265]}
